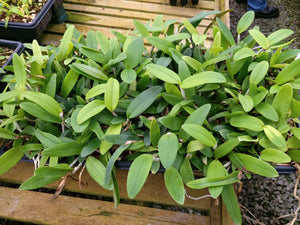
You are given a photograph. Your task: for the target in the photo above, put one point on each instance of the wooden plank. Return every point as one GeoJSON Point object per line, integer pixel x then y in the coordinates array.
{"type": "Point", "coordinates": [216, 212]}
{"type": "Point", "coordinates": [154, 189]}
{"type": "Point", "coordinates": [37, 207]}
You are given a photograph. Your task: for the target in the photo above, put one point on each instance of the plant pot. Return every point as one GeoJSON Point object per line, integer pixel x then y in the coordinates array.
{"type": "Point", "coordinates": [59, 13]}
{"type": "Point", "coordinates": [18, 48]}
{"type": "Point", "coordinates": [28, 31]}
{"type": "Point", "coordinates": [195, 2]}
{"type": "Point", "coordinates": [173, 2]}
{"type": "Point", "coordinates": [183, 2]}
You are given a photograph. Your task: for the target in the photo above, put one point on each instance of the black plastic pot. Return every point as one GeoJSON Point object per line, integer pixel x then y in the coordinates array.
{"type": "Point", "coordinates": [282, 170]}
{"type": "Point", "coordinates": [59, 13]}
{"type": "Point", "coordinates": [28, 31]}
{"type": "Point", "coordinates": [16, 45]}
{"type": "Point", "coordinates": [195, 2]}
{"type": "Point", "coordinates": [173, 2]}
{"type": "Point", "coordinates": [183, 2]}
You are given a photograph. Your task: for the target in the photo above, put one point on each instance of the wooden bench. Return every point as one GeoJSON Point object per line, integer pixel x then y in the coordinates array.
{"type": "Point", "coordinates": [37, 207]}
{"type": "Point", "coordinates": [107, 15]}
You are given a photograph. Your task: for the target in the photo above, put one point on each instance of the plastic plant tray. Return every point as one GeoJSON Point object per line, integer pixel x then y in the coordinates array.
{"type": "Point", "coordinates": [28, 31]}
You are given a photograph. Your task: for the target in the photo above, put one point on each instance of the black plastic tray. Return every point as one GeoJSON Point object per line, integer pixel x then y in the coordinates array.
{"type": "Point", "coordinates": [28, 31]}
{"type": "Point", "coordinates": [16, 45]}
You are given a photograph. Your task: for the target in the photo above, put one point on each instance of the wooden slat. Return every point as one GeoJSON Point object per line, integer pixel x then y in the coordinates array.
{"type": "Point", "coordinates": [37, 207]}
{"type": "Point", "coordinates": [154, 189]}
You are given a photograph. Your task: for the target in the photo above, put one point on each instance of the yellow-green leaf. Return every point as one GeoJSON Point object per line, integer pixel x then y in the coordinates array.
{"type": "Point", "coordinates": [275, 156]}
{"type": "Point", "coordinates": [226, 147]}
{"type": "Point", "coordinates": [167, 149]}
{"type": "Point", "coordinates": [248, 122]}
{"type": "Point", "coordinates": [174, 185]}
{"type": "Point", "coordinates": [90, 110]}
{"type": "Point", "coordinates": [112, 94]}
{"type": "Point", "coordinates": [200, 133]}
{"type": "Point", "coordinates": [246, 102]}
{"type": "Point", "coordinates": [201, 78]}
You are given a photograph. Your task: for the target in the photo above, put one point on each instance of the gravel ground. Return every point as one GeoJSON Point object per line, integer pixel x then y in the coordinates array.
{"type": "Point", "coordinates": [289, 18]}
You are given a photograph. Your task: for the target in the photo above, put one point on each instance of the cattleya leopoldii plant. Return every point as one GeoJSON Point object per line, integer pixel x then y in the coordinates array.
{"type": "Point", "coordinates": [229, 109]}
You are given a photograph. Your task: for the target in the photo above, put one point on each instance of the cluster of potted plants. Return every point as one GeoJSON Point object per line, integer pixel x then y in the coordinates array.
{"type": "Point", "coordinates": [169, 105]}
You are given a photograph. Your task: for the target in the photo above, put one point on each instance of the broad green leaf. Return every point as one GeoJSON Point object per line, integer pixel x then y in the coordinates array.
{"type": "Point", "coordinates": [10, 158]}
{"type": "Point", "coordinates": [257, 166]}
{"type": "Point", "coordinates": [167, 149]}
{"type": "Point", "coordinates": [95, 91]}
{"type": "Point", "coordinates": [19, 71]}
{"type": "Point", "coordinates": [194, 146]}
{"type": "Point", "coordinates": [111, 162]}
{"type": "Point", "coordinates": [295, 155]}
{"type": "Point", "coordinates": [90, 110]}
{"type": "Point", "coordinates": [275, 156]}
{"type": "Point", "coordinates": [45, 101]}
{"type": "Point", "coordinates": [37, 51]}
{"type": "Point", "coordinates": [6, 134]}
{"type": "Point", "coordinates": [258, 98]}
{"type": "Point", "coordinates": [275, 136]}
{"type": "Point", "coordinates": [9, 95]}
{"type": "Point", "coordinates": [97, 171]}
{"type": "Point", "coordinates": [189, 27]}
{"type": "Point", "coordinates": [199, 115]}
{"type": "Point", "coordinates": [248, 122]}
{"type": "Point", "coordinates": [46, 139]}
{"type": "Point", "coordinates": [91, 40]}
{"type": "Point", "coordinates": [243, 53]}
{"type": "Point", "coordinates": [58, 171]}
{"type": "Point", "coordinates": [259, 71]}
{"type": "Point", "coordinates": [128, 75]}
{"type": "Point", "coordinates": [78, 127]}
{"type": "Point", "coordinates": [138, 173]}
{"type": "Point", "coordinates": [154, 132]}
{"type": "Point", "coordinates": [203, 78]}
{"type": "Point", "coordinates": [260, 38]}
{"type": "Point", "coordinates": [103, 42]}
{"type": "Point", "coordinates": [134, 51]}
{"type": "Point", "coordinates": [195, 64]}
{"type": "Point", "coordinates": [37, 111]}
{"type": "Point", "coordinates": [296, 132]}
{"type": "Point", "coordinates": [68, 83]}
{"type": "Point", "coordinates": [163, 73]}
{"type": "Point", "coordinates": [93, 54]}
{"type": "Point", "coordinates": [112, 94]}
{"type": "Point", "coordinates": [160, 43]}
{"type": "Point", "coordinates": [65, 42]}
{"type": "Point", "coordinates": [245, 22]}
{"type": "Point", "coordinates": [295, 108]}
{"type": "Point", "coordinates": [282, 100]}
{"type": "Point", "coordinates": [279, 35]}
{"type": "Point", "coordinates": [171, 122]}
{"type": "Point", "coordinates": [88, 71]}
{"type": "Point", "coordinates": [246, 102]}
{"type": "Point", "coordinates": [174, 185]}
{"type": "Point", "coordinates": [112, 130]}
{"type": "Point", "coordinates": [177, 37]}
{"type": "Point", "coordinates": [143, 101]}
{"type": "Point", "coordinates": [63, 149]}
{"type": "Point", "coordinates": [225, 31]}
{"type": "Point", "coordinates": [225, 148]}
{"type": "Point", "coordinates": [199, 38]}
{"type": "Point", "coordinates": [38, 182]}
{"type": "Point", "coordinates": [215, 169]}
{"type": "Point", "coordinates": [186, 170]}
{"type": "Point", "coordinates": [267, 110]}
{"type": "Point", "coordinates": [200, 133]}
{"type": "Point", "coordinates": [214, 181]}
{"type": "Point", "coordinates": [141, 28]}
{"type": "Point", "coordinates": [230, 200]}
{"type": "Point", "coordinates": [289, 72]}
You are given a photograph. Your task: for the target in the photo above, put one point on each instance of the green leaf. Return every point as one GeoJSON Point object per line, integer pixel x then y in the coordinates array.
{"type": "Point", "coordinates": [6, 134]}
{"type": "Point", "coordinates": [90, 110]}
{"type": "Point", "coordinates": [38, 181]}
{"type": "Point", "coordinates": [214, 181]}
{"type": "Point", "coordinates": [160, 43]}
{"type": "Point", "coordinates": [225, 31]}
{"type": "Point", "coordinates": [10, 158]}
{"type": "Point", "coordinates": [154, 132]}
{"type": "Point", "coordinates": [19, 71]}
{"type": "Point", "coordinates": [226, 147]}
{"type": "Point", "coordinates": [257, 166]}
{"type": "Point", "coordinates": [282, 100]}
{"type": "Point", "coordinates": [267, 110]}
{"type": "Point", "coordinates": [275, 136]}
{"type": "Point", "coordinates": [138, 173]}
{"type": "Point", "coordinates": [186, 170]}
{"type": "Point", "coordinates": [78, 127]}
{"type": "Point", "coordinates": [68, 83]}
{"type": "Point", "coordinates": [37, 111]}
{"type": "Point", "coordinates": [295, 155]}
{"type": "Point", "coordinates": [246, 102]}
{"type": "Point", "coordinates": [260, 38]}
{"type": "Point", "coordinates": [63, 149]}
{"type": "Point", "coordinates": [88, 71]}
{"type": "Point", "coordinates": [174, 185]}
{"type": "Point", "coordinates": [9, 95]}
{"type": "Point", "coordinates": [163, 73]}
{"type": "Point", "coordinates": [143, 101]}
{"type": "Point", "coordinates": [93, 54]}
{"type": "Point", "coordinates": [195, 64]}
{"type": "Point", "coordinates": [177, 37]}
{"type": "Point", "coordinates": [95, 91]}
{"type": "Point", "coordinates": [45, 101]}
{"type": "Point", "coordinates": [134, 50]}
{"type": "Point", "coordinates": [171, 122]}
{"type": "Point", "coordinates": [200, 133]}
{"type": "Point", "coordinates": [295, 108]}
{"type": "Point", "coordinates": [46, 139]}
{"type": "Point", "coordinates": [245, 22]}
{"type": "Point", "coordinates": [275, 156]}
{"type": "Point", "coordinates": [97, 171]}
{"type": "Point", "coordinates": [199, 115]}
{"type": "Point", "coordinates": [65, 42]}
{"type": "Point", "coordinates": [230, 200]}
{"type": "Point", "coordinates": [194, 146]}
{"type": "Point", "coordinates": [141, 28]}
{"type": "Point", "coordinates": [248, 122]}
{"type": "Point", "coordinates": [90, 147]}
{"type": "Point", "coordinates": [112, 94]}
{"type": "Point", "coordinates": [296, 132]}
{"type": "Point", "coordinates": [215, 169]}
{"type": "Point", "coordinates": [289, 72]}
{"type": "Point", "coordinates": [128, 75]}
{"type": "Point", "coordinates": [167, 149]}
{"type": "Point", "coordinates": [112, 161]}
{"type": "Point", "coordinates": [103, 42]}
{"type": "Point", "coordinates": [279, 35]}
{"type": "Point", "coordinates": [113, 129]}
{"type": "Point", "coordinates": [259, 71]}
{"type": "Point", "coordinates": [203, 78]}
{"type": "Point", "coordinates": [243, 53]}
